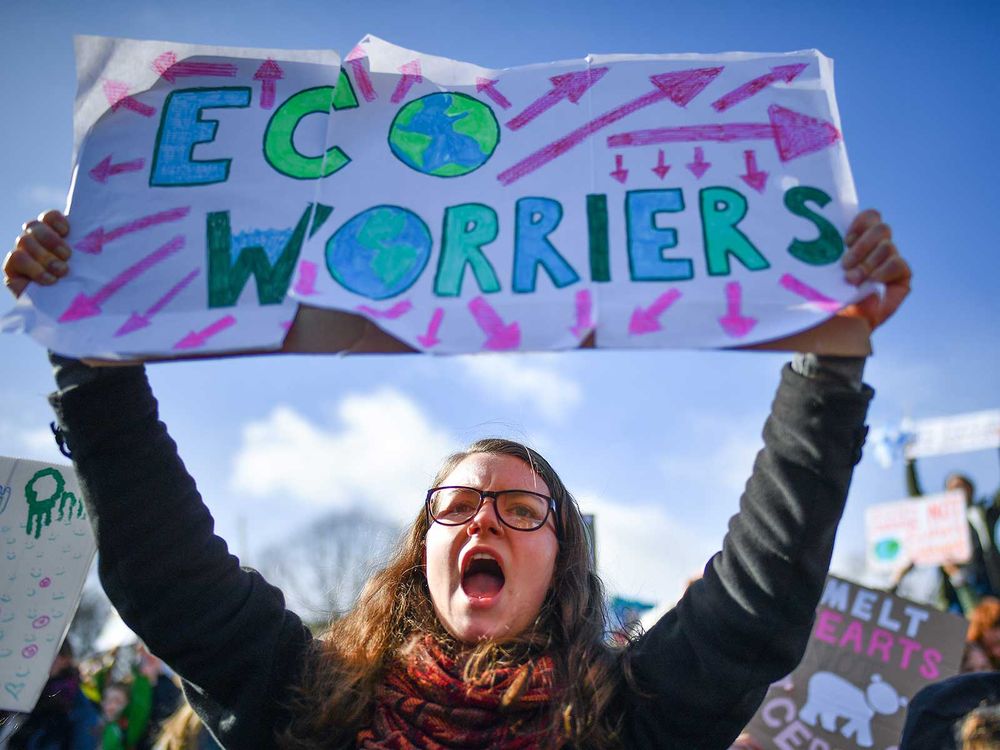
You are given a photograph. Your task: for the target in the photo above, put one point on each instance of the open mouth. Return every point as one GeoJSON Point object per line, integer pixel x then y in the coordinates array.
{"type": "Point", "coordinates": [483, 578]}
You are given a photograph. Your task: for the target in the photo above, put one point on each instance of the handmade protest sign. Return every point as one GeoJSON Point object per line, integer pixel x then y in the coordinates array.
{"type": "Point", "coordinates": [632, 201]}
{"type": "Point", "coordinates": [47, 550]}
{"type": "Point", "coordinates": [869, 653]}
{"type": "Point", "coordinates": [930, 530]}
{"type": "Point", "coordinates": [960, 433]}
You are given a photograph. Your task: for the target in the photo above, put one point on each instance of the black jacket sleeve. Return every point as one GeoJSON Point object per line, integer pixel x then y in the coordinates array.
{"type": "Point", "coordinates": [703, 669]}
{"type": "Point", "coordinates": [222, 628]}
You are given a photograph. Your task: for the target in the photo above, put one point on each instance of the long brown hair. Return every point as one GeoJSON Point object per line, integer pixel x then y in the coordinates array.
{"type": "Point", "coordinates": [335, 696]}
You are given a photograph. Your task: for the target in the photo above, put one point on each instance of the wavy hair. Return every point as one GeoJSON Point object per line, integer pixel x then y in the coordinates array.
{"type": "Point", "coordinates": [335, 696]}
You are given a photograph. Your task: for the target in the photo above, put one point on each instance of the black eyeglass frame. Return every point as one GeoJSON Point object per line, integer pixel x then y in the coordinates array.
{"type": "Point", "coordinates": [552, 507]}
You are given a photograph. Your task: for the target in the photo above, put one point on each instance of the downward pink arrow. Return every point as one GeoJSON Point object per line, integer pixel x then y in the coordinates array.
{"type": "Point", "coordinates": [106, 169]}
{"type": "Point", "coordinates": [699, 166]}
{"type": "Point", "coordinates": [801, 289]}
{"type": "Point", "coordinates": [136, 321]}
{"type": "Point", "coordinates": [356, 60]}
{"type": "Point", "coordinates": [83, 306]}
{"type": "Point", "coordinates": [306, 285]}
{"type": "Point", "coordinates": [397, 310]}
{"type": "Point", "coordinates": [680, 87]}
{"type": "Point", "coordinates": [661, 168]}
{"type": "Point", "coordinates": [733, 322]}
{"type": "Point", "coordinates": [411, 77]}
{"type": "Point", "coordinates": [619, 173]}
{"type": "Point", "coordinates": [584, 314]}
{"type": "Point", "coordinates": [500, 337]}
{"type": "Point", "coordinates": [117, 94]}
{"type": "Point", "coordinates": [786, 73]}
{"type": "Point", "coordinates": [268, 72]}
{"type": "Point", "coordinates": [429, 339]}
{"type": "Point", "coordinates": [489, 87]}
{"type": "Point", "coordinates": [197, 339]}
{"type": "Point", "coordinates": [94, 242]}
{"type": "Point", "coordinates": [648, 320]}
{"type": "Point", "coordinates": [753, 177]}
{"type": "Point", "coordinates": [570, 86]}
{"type": "Point", "coordinates": [168, 67]}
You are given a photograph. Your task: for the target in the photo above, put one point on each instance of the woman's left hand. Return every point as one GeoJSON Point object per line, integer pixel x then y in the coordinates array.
{"type": "Point", "coordinates": [872, 256]}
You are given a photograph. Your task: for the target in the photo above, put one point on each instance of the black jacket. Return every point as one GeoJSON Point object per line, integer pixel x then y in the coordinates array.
{"type": "Point", "coordinates": [225, 630]}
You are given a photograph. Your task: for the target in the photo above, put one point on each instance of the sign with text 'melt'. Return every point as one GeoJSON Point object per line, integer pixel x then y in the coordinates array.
{"type": "Point", "coordinates": [622, 200]}
{"type": "Point", "coordinates": [870, 652]}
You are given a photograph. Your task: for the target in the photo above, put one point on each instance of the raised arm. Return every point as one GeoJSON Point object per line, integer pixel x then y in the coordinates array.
{"type": "Point", "coordinates": [174, 582]}
{"type": "Point", "coordinates": [703, 669]}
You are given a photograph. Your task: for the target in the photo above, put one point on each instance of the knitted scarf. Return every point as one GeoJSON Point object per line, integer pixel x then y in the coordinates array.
{"type": "Point", "coordinates": [424, 704]}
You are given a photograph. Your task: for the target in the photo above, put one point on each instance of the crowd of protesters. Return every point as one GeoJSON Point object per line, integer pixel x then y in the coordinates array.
{"type": "Point", "coordinates": [123, 699]}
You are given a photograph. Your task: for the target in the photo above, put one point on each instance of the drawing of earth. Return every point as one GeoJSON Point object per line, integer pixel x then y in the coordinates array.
{"type": "Point", "coordinates": [446, 134]}
{"type": "Point", "coordinates": [380, 252]}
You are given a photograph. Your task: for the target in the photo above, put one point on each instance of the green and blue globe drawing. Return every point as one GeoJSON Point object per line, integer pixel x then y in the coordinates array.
{"type": "Point", "coordinates": [446, 134]}
{"type": "Point", "coordinates": [380, 252]}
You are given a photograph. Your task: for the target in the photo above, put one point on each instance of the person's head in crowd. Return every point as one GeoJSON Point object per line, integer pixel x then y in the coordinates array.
{"type": "Point", "coordinates": [485, 572]}
{"type": "Point", "coordinates": [961, 482]}
{"type": "Point", "coordinates": [114, 699]}
{"type": "Point", "coordinates": [745, 742]}
{"type": "Point", "coordinates": [975, 659]}
{"type": "Point", "coordinates": [64, 660]}
{"type": "Point", "coordinates": [980, 729]}
{"type": "Point", "coordinates": [984, 628]}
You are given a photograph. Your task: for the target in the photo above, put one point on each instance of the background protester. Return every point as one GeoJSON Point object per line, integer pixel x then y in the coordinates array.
{"type": "Point", "coordinates": [64, 718]}
{"type": "Point", "coordinates": [984, 628]}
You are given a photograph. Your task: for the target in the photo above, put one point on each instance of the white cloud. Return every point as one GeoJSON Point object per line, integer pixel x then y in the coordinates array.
{"type": "Point", "coordinates": [381, 454]}
{"type": "Point", "coordinates": [44, 197]}
{"type": "Point", "coordinates": [532, 380]}
{"type": "Point", "coordinates": [33, 443]}
{"type": "Point", "coordinates": [643, 552]}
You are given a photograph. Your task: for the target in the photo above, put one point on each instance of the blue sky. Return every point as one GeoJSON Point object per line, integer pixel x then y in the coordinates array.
{"type": "Point", "coordinates": [658, 443]}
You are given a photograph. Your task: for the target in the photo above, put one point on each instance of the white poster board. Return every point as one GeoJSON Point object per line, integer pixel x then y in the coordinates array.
{"type": "Point", "coordinates": [47, 550]}
{"type": "Point", "coordinates": [629, 200]}
{"type": "Point", "coordinates": [929, 530]}
{"type": "Point", "coordinates": [961, 433]}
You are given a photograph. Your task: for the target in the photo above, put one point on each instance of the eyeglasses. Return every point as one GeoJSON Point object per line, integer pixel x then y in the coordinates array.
{"type": "Point", "coordinates": [522, 510]}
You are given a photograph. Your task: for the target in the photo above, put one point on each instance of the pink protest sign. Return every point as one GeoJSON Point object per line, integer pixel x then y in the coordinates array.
{"type": "Point", "coordinates": [930, 530]}
{"type": "Point", "coordinates": [870, 652]}
{"type": "Point", "coordinates": [617, 201]}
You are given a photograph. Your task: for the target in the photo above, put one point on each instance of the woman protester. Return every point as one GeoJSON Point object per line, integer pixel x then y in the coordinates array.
{"type": "Point", "coordinates": [487, 628]}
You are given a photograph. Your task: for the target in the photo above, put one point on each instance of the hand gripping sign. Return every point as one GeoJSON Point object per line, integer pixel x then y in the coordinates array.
{"type": "Point", "coordinates": [622, 201]}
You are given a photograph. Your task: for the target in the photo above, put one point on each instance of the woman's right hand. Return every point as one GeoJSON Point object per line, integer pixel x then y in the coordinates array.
{"type": "Point", "coordinates": [40, 253]}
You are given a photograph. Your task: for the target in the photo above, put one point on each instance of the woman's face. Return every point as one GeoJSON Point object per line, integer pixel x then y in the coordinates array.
{"type": "Point", "coordinates": [113, 702]}
{"type": "Point", "coordinates": [491, 601]}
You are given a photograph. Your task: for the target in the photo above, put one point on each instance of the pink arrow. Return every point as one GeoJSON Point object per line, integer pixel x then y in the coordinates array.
{"type": "Point", "coordinates": [106, 169]}
{"type": "Point", "coordinates": [400, 308]}
{"type": "Point", "coordinates": [501, 337]}
{"type": "Point", "coordinates": [648, 320]}
{"type": "Point", "coordinates": [786, 73]}
{"type": "Point", "coordinates": [570, 86]}
{"type": "Point", "coordinates": [268, 72]}
{"type": "Point", "coordinates": [168, 67]}
{"type": "Point", "coordinates": [661, 168]}
{"type": "Point", "coordinates": [430, 339]}
{"type": "Point", "coordinates": [489, 87]}
{"type": "Point", "coordinates": [733, 322]}
{"type": "Point", "coordinates": [356, 60]}
{"type": "Point", "coordinates": [679, 87]}
{"type": "Point", "coordinates": [136, 321]}
{"type": "Point", "coordinates": [306, 284]}
{"type": "Point", "coordinates": [197, 339]}
{"type": "Point", "coordinates": [83, 306]}
{"type": "Point", "coordinates": [584, 314]}
{"type": "Point", "coordinates": [411, 77]}
{"type": "Point", "coordinates": [753, 177]}
{"type": "Point", "coordinates": [94, 242]}
{"type": "Point", "coordinates": [619, 173]}
{"type": "Point", "coordinates": [801, 289]}
{"type": "Point", "coordinates": [699, 166]}
{"type": "Point", "coordinates": [794, 134]}
{"type": "Point", "coordinates": [117, 94]}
